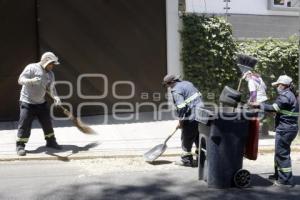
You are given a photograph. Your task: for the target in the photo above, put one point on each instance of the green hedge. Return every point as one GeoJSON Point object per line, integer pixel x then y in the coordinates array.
{"type": "Point", "coordinates": [276, 57]}
{"type": "Point", "coordinates": [208, 51]}
{"type": "Point", "coordinates": [209, 54]}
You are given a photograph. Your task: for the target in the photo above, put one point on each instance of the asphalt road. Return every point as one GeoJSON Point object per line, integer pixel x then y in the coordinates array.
{"type": "Point", "coordinates": [131, 178]}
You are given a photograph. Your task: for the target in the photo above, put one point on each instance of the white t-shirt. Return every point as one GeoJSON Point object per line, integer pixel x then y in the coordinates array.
{"type": "Point", "coordinates": [258, 85]}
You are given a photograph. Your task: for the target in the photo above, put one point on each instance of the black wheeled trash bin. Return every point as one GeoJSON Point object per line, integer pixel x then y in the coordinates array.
{"type": "Point", "coordinates": [222, 140]}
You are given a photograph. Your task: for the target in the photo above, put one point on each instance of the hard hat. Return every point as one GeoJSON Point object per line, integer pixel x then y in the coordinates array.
{"type": "Point", "coordinates": [47, 58]}
{"type": "Point", "coordinates": [283, 79]}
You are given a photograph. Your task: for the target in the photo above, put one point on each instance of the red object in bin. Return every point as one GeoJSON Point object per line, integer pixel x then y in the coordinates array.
{"type": "Point", "coordinates": [251, 148]}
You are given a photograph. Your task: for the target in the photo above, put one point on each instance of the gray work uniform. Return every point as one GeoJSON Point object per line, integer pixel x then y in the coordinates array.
{"type": "Point", "coordinates": [33, 104]}
{"type": "Point", "coordinates": [286, 107]}
{"type": "Point", "coordinates": [187, 98]}
{"type": "Point", "coordinates": [35, 94]}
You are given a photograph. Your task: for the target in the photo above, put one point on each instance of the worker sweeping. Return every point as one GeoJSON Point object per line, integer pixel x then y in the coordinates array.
{"type": "Point", "coordinates": [186, 98]}
{"type": "Point", "coordinates": [35, 79]}
{"type": "Point", "coordinates": [286, 108]}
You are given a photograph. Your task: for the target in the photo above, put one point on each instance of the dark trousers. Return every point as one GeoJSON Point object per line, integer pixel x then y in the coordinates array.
{"type": "Point", "coordinates": [189, 135]}
{"type": "Point", "coordinates": [28, 112]}
{"type": "Point", "coordinates": [283, 166]}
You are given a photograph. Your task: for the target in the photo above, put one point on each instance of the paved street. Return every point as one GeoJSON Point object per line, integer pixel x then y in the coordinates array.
{"type": "Point", "coordinates": [131, 178]}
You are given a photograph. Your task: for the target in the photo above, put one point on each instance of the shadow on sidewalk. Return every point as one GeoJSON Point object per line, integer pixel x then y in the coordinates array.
{"type": "Point", "coordinates": [258, 181]}
{"type": "Point", "coordinates": [73, 149]}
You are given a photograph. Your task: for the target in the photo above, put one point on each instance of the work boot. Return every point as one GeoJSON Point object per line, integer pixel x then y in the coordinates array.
{"type": "Point", "coordinates": [53, 144]}
{"type": "Point", "coordinates": [282, 185]}
{"type": "Point", "coordinates": [186, 161]}
{"type": "Point", "coordinates": [21, 150]}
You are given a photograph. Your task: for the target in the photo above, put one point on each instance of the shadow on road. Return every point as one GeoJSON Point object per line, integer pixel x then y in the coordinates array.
{"type": "Point", "coordinates": [165, 186]}
{"type": "Point", "coordinates": [297, 180]}
{"type": "Point", "coordinates": [160, 162]}
{"type": "Point", "coordinates": [73, 149]}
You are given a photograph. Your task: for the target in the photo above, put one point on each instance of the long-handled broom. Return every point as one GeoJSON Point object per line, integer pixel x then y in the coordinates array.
{"type": "Point", "coordinates": [245, 63]}
{"type": "Point", "coordinates": [77, 122]}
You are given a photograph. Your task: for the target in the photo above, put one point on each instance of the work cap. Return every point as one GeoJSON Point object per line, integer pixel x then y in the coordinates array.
{"type": "Point", "coordinates": [283, 79]}
{"type": "Point", "coordinates": [47, 58]}
{"type": "Point", "coordinates": [169, 78]}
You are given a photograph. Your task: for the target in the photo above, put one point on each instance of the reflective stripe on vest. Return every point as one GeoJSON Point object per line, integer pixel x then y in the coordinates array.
{"type": "Point", "coordinates": [189, 100]}
{"type": "Point", "coordinates": [285, 112]}
{"type": "Point", "coordinates": [289, 113]}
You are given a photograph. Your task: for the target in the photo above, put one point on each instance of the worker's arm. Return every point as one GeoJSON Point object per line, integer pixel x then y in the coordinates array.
{"type": "Point", "coordinates": [253, 91]}
{"type": "Point", "coordinates": [26, 78]}
{"type": "Point", "coordinates": [280, 103]}
{"type": "Point", "coordinates": [180, 104]}
{"type": "Point", "coordinates": [53, 92]}
{"type": "Point", "coordinates": [253, 95]}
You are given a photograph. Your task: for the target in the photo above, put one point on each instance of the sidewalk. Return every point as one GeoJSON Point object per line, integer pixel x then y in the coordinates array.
{"type": "Point", "coordinates": [112, 140]}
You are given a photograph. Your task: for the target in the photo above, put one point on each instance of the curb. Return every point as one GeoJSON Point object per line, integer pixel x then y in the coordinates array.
{"type": "Point", "coordinates": [65, 156]}
{"type": "Point", "coordinates": [111, 154]}
{"type": "Point", "coordinates": [271, 149]}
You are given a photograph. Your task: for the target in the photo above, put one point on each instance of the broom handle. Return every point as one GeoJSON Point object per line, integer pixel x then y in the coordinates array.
{"type": "Point", "coordinates": [170, 135]}
{"type": "Point", "coordinates": [240, 83]}
{"type": "Point", "coordinates": [65, 111]}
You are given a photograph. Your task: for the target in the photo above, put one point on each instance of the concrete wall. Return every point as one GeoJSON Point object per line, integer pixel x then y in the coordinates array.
{"type": "Point", "coordinates": [173, 37]}
{"type": "Point", "coordinates": [262, 26]}
{"type": "Point", "coordinates": [252, 7]}
{"type": "Point", "coordinates": [251, 18]}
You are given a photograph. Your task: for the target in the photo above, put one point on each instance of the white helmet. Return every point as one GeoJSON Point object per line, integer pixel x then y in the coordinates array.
{"type": "Point", "coordinates": [47, 58]}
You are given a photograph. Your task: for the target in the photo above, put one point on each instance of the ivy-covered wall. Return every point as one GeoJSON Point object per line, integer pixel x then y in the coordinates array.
{"type": "Point", "coordinates": [276, 57]}
{"type": "Point", "coordinates": [208, 51]}
{"type": "Point", "coordinates": [209, 54]}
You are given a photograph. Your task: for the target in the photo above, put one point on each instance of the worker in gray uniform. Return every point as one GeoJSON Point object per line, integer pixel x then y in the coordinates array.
{"type": "Point", "coordinates": [36, 79]}
{"type": "Point", "coordinates": [186, 98]}
{"type": "Point", "coordinates": [286, 107]}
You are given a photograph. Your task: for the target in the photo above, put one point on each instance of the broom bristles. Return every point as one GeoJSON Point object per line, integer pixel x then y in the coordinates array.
{"type": "Point", "coordinates": [83, 127]}
{"type": "Point", "coordinates": [78, 123]}
{"type": "Point", "coordinates": [246, 60]}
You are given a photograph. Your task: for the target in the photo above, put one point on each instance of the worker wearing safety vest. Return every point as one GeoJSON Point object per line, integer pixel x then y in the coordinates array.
{"type": "Point", "coordinates": [286, 107]}
{"type": "Point", "coordinates": [186, 98]}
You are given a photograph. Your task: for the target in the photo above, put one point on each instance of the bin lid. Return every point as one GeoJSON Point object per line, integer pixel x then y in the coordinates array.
{"type": "Point", "coordinates": [205, 115]}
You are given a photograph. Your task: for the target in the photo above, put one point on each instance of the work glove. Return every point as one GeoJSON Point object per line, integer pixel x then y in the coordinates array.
{"type": "Point", "coordinates": [33, 81]}
{"type": "Point", "coordinates": [57, 101]}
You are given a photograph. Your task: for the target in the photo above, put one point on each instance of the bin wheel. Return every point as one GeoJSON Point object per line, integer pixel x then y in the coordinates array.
{"type": "Point", "coordinates": [242, 178]}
